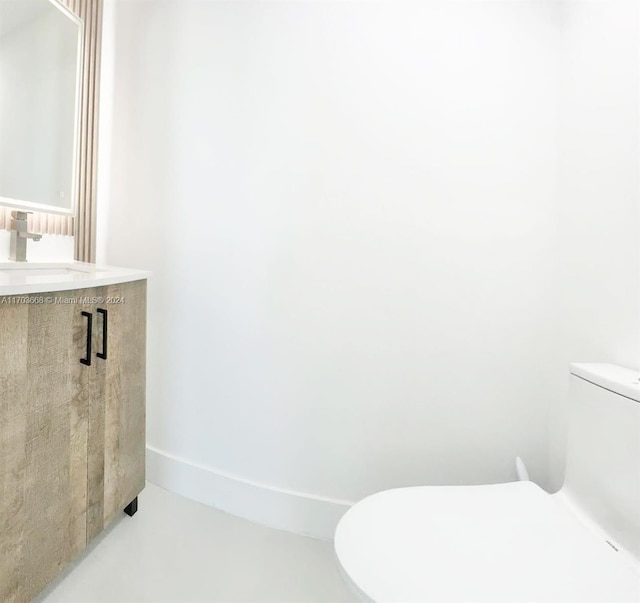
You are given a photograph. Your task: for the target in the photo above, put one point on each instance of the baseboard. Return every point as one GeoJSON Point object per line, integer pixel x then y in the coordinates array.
{"type": "Point", "coordinates": [297, 512]}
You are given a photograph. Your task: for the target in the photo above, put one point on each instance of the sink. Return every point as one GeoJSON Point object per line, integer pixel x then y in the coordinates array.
{"type": "Point", "coordinates": [26, 277]}
{"type": "Point", "coordinates": [39, 277]}
{"type": "Point", "coordinates": [39, 271]}
{"type": "Point", "coordinates": [47, 268]}
{"type": "Point", "coordinates": [23, 270]}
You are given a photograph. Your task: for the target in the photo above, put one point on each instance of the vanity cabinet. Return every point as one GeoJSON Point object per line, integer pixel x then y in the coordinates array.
{"type": "Point", "coordinates": [72, 433]}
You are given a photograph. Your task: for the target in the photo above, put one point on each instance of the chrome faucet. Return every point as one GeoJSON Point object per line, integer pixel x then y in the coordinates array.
{"type": "Point", "coordinates": [19, 236]}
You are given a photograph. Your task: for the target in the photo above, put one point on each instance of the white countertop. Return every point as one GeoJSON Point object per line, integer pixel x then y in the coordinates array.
{"type": "Point", "coordinates": [18, 278]}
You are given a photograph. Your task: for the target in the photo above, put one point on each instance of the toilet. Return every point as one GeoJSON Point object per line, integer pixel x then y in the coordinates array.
{"type": "Point", "coordinates": [514, 542]}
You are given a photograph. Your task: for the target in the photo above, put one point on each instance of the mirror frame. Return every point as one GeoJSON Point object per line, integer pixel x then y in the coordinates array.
{"type": "Point", "coordinates": [75, 161]}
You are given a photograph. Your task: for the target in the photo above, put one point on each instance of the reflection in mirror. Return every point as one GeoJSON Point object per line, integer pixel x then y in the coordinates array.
{"type": "Point", "coordinates": [40, 49]}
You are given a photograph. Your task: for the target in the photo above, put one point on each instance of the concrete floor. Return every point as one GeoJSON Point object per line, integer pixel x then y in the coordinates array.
{"type": "Point", "coordinates": [180, 551]}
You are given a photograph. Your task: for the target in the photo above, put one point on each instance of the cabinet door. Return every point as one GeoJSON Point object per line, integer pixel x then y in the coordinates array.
{"type": "Point", "coordinates": [43, 442]}
{"type": "Point", "coordinates": [120, 389]}
{"type": "Point", "coordinates": [14, 321]}
{"type": "Point", "coordinates": [93, 386]}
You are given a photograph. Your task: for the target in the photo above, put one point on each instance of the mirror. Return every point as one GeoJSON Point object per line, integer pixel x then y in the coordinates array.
{"type": "Point", "coordinates": [40, 68]}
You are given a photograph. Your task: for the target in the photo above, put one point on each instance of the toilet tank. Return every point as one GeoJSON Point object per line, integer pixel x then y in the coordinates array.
{"type": "Point", "coordinates": [602, 477]}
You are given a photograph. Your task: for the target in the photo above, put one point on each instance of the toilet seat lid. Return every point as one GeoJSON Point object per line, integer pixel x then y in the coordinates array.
{"type": "Point", "coordinates": [505, 542]}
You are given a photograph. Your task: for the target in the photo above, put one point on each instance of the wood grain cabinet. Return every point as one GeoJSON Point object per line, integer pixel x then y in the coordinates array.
{"type": "Point", "coordinates": [72, 425]}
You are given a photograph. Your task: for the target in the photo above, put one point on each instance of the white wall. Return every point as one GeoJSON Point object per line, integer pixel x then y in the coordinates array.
{"type": "Point", "coordinates": [598, 259]}
{"type": "Point", "coordinates": [352, 234]}
{"type": "Point", "coordinates": [351, 211]}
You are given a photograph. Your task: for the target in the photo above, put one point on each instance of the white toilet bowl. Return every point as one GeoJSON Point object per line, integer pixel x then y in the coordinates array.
{"type": "Point", "coordinates": [514, 542]}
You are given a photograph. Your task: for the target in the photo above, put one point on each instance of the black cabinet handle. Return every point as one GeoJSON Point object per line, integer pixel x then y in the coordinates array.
{"type": "Point", "coordinates": [87, 360]}
{"type": "Point", "coordinates": [103, 354]}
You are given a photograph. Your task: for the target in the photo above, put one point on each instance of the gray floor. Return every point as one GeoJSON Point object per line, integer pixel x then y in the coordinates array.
{"type": "Point", "coordinates": [177, 550]}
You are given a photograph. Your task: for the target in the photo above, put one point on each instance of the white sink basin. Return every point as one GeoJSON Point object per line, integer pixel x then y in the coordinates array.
{"type": "Point", "coordinates": [40, 272]}
{"type": "Point", "coordinates": [20, 277]}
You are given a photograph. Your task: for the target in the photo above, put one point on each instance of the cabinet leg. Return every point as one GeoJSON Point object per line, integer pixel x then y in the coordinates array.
{"type": "Point", "coordinates": [132, 508]}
